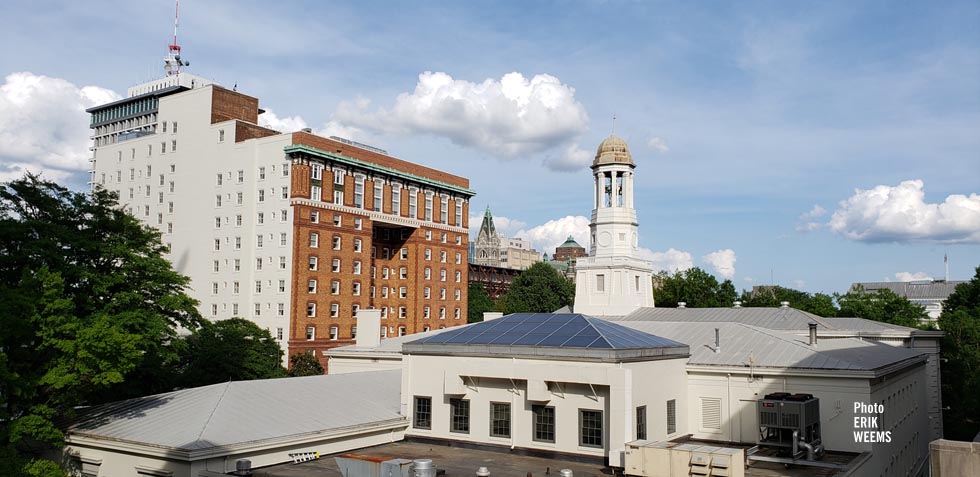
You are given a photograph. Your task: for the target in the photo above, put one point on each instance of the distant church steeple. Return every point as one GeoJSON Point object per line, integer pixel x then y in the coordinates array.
{"type": "Point", "coordinates": [486, 249]}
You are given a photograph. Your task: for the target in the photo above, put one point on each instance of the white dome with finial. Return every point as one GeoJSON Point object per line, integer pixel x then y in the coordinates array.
{"type": "Point", "coordinates": [613, 150]}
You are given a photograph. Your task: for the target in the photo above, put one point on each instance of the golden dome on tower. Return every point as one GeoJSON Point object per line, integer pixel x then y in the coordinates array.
{"type": "Point", "coordinates": [613, 150]}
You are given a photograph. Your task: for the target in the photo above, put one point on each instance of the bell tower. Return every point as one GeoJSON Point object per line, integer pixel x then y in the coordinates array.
{"type": "Point", "coordinates": [613, 280]}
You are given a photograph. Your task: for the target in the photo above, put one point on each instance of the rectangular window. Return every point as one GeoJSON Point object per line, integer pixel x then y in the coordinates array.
{"type": "Point", "coordinates": [459, 412]}
{"type": "Point", "coordinates": [544, 423]}
{"type": "Point", "coordinates": [357, 224]}
{"type": "Point", "coordinates": [282, 286]}
{"type": "Point", "coordinates": [396, 200]}
{"type": "Point", "coordinates": [671, 417]}
{"type": "Point", "coordinates": [357, 267]}
{"type": "Point", "coordinates": [423, 413]}
{"type": "Point", "coordinates": [335, 287]}
{"type": "Point", "coordinates": [337, 220]}
{"type": "Point", "coordinates": [285, 193]}
{"type": "Point", "coordinates": [428, 207]}
{"type": "Point", "coordinates": [258, 241]}
{"type": "Point", "coordinates": [238, 198]}
{"type": "Point", "coordinates": [258, 286]}
{"type": "Point", "coordinates": [444, 210]}
{"type": "Point", "coordinates": [261, 195]}
{"type": "Point", "coordinates": [261, 173]}
{"type": "Point", "coordinates": [314, 240]}
{"type": "Point", "coordinates": [335, 265]}
{"type": "Point", "coordinates": [217, 199]}
{"type": "Point", "coordinates": [600, 283]}
{"type": "Point", "coordinates": [499, 419]}
{"type": "Point", "coordinates": [310, 333]}
{"type": "Point", "coordinates": [641, 422]}
{"type": "Point", "coordinates": [258, 264]}
{"type": "Point", "coordinates": [357, 245]}
{"type": "Point", "coordinates": [333, 332]}
{"type": "Point", "coordinates": [404, 253]}
{"type": "Point", "coordinates": [241, 177]}
{"type": "Point", "coordinates": [221, 135]}
{"type": "Point", "coordinates": [459, 215]}
{"type": "Point", "coordinates": [413, 203]}
{"type": "Point", "coordinates": [359, 192]}
{"type": "Point", "coordinates": [379, 189]}
{"type": "Point", "coordinates": [314, 216]}
{"type": "Point", "coordinates": [336, 242]}
{"type": "Point", "coordinates": [311, 310]}
{"type": "Point", "coordinates": [311, 286]}
{"type": "Point", "coordinates": [313, 263]}
{"type": "Point", "coordinates": [282, 239]}
{"type": "Point", "coordinates": [590, 428]}
{"type": "Point", "coordinates": [316, 171]}
{"type": "Point", "coordinates": [260, 218]}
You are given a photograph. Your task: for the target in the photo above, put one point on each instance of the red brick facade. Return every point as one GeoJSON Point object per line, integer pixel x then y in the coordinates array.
{"type": "Point", "coordinates": [391, 263]}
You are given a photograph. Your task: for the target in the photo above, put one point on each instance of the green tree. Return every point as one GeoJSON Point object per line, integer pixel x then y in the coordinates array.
{"type": "Point", "coordinates": [478, 301]}
{"type": "Point", "coordinates": [960, 321]}
{"type": "Point", "coordinates": [539, 289]}
{"type": "Point", "coordinates": [819, 304]}
{"type": "Point", "coordinates": [235, 349]}
{"type": "Point", "coordinates": [89, 303]}
{"type": "Point", "coordinates": [695, 287]}
{"type": "Point", "coordinates": [304, 364]}
{"type": "Point", "coordinates": [883, 305]}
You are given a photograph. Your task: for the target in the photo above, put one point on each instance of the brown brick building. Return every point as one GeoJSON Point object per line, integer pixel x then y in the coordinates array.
{"type": "Point", "coordinates": [372, 231]}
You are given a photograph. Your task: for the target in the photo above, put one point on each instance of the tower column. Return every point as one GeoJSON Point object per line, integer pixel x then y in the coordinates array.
{"type": "Point", "coordinates": [615, 189]}
{"type": "Point", "coordinates": [598, 189]}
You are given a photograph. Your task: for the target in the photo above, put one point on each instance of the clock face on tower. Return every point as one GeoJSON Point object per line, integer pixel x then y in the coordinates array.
{"type": "Point", "coordinates": [605, 239]}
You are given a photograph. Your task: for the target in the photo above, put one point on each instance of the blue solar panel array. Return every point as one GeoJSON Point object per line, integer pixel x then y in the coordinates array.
{"type": "Point", "coordinates": [564, 330]}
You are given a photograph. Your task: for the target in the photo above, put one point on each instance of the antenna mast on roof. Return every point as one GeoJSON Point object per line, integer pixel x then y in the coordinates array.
{"type": "Point", "coordinates": [172, 62]}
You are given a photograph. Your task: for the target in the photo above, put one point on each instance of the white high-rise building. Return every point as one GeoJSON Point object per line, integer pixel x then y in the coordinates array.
{"type": "Point", "coordinates": [613, 280]}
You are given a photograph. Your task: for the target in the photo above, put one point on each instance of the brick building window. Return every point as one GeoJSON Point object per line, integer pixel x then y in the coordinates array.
{"type": "Point", "coordinates": [335, 265]}
{"type": "Point", "coordinates": [396, 199]}
{"type": "Point", "coordinates": [334, 310]}
{"type": "Point", "coordinates": [357, 245]}
{"type": "Point", "coordinates": [357, 267]}
{"type": "Point", "coordinates": [444, 210]}
{"type": "Point", "coordinates": [311, 286]}
{"type": "Point", "coordinates": [314, 240]}
{"type": "Point", "coordinates": [335, 287]}
{"type": "Point", "coordinates": [333, 333]}
{"type": "Point", "coordinates": [311, 310]}
{"type": "Point", "coordinates": [357, 289]}
{"type": "Point", "coordinates": [310, 333]}
{"type": "Point", "coordinates": [413, 203]}
{"type": "Point", "coordinates": [314, 216]}
{"type": "Point", "coordinates": [336, 242]}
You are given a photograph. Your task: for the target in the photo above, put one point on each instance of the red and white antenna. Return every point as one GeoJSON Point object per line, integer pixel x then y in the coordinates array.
{"type": "Point", "coordinates": [172, 62]}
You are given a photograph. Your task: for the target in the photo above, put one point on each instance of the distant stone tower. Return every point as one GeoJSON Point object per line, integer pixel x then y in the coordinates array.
{"type": "Point", "coordinates": [613, 280]}
{"type": "Point", "coordinates": [486, 250]}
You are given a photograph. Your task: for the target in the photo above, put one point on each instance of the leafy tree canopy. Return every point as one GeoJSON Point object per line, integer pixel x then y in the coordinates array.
{"type": "Point", "coordinates": [235, 349]}
{"type": "Point", "coordinates": [819, 304]}
{"type": "Point", "coordinates": [539, 289]}
{"type": "Point", "coordinates": [304, 364]}
{"type": "Point", "coordinates": [89, 303]}
{"type": "Point", "coordinates": [478, 302]}
{"type": "Point", "coordinates": [695, 287]}
{"type": "Point", "coordinates": [883, 305]}
{"type": "Point", "coordinates": [961, 367]}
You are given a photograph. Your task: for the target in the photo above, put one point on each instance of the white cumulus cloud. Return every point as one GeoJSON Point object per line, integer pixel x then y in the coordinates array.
{"type": "Point", "coordinates": [505, 226]}
{"type": "Point", "coordinates": [44, 126]}
{"type": "Point", "coordinates": [722, 262]}
{"type": "Point", "coordinates": [658, 144]}
{"type": "Point", "coordinates": [911, 276]}
{"type": "Point", "coordinates": [570, 159]}
{"type": "Point", "coordinates": [548, 236]}
{"type": "Point", "coordinates": [509, 118]}
{"type": "Point", "coordinates": [900, 214]}
{"type": "Point", "coordinates": [671, 261]}
{"type": "Point", "coordinates": [808, 223]}
{"type": "Point", "coordinates": [287, 124]}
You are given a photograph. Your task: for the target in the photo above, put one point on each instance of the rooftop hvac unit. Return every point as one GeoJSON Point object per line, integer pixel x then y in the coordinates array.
{"type": "Point", "coordinates": [789, 423]}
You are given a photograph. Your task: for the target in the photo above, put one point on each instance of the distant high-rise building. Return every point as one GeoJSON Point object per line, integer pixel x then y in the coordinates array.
{"type": "Point", "coordinates": [293, 231]}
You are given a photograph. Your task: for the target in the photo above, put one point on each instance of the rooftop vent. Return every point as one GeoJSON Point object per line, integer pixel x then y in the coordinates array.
{"type": "Point", "coordinates": [784, 304]}
{"type": "Point", "coordinates": [307, 130]}
{"type": "Point", "coordinates": [682, 304]}
{"type": "Point", "coordinates": [360, 145]}
{"type": "Point", "coordinates": [483, 472]}
{"type": "Point", "coordinates": [737, 304]}
{"type": "Point", "coordinates": [813, 333]}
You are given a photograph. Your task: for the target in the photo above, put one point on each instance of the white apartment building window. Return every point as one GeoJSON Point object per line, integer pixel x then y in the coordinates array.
{"type": "Point", "coordinates": [238, 264]}
{"type": "Point", "coordinates": [159, 218]}
{"type": "Point", "coordinates": [373, 290]}
{"type": "Point", "coordinates": [313, 262]}
{"type": "Point", "coordinates": [221, 135]}
{"type": "Point", "coordinates": [334, 310]}
{"type": "Point", "coordinates": [357, 267]}
{"type": "Point", "coordinates": [335, 265]}
{"type": "Point", "coordinates": [235, 287]}
{"type": "Point", "coordinates": [338, 190]}
{"type": "Point", "coordinates": [413, 202]}
{"type": "Point", "coordinates": [285, 169]}
{"type": "Point", "coordinates": [357, 245]}
{"type": "Point", "coordinates": [282, 263]}
{"type": "Point", "coordinates": [281, 311]}
{"type": "Point", "coordinates": [234, 309]}
{"type": "Point", "coordinates": [262, 173]}
{"type": "Point", "coordinates": [353, 332]}
{"type": "Point", "coordinates": [384, 316]}
{"type": "Point", "coordinates": [335, 287]}
{"type": "Point", "coordinates": [258, 309]}
{"type": "Point", "coordinates": [316, 193]}
{"type": "Point", "coordinates": [118, 176]}
{"type": "Point", "coordinates": [600, 283]}
{"type": "Point", "coordinates": [217, 244]}
{"type": "Point", "coordinates": [282, 286]}
{"type": "Point", "coordinates": [459, 217]}
{"type": "Point", "coordinates": [311, 309]}
{"type": "Point", "coordinates": [357, 224]}
{"type": "Point", "coordinates": [282, 238]}
{"type": "Point", "coordinates": [310, 333]}
{"type": "Point", "coordinates": [173, 145]}
{"type": "Point", "coordinates": [333, 332]}
{"type": "Point", "coordinates": [283, 216]}
{"type": "Point", "coordinates": [214, 309]}
{"type": "Point", "coordinates": [336, 242]}
{"type": "Point", "coordinates": [384, 292]}
{"type": "Point", "coordinates": [425, 313]}
{"type": "Point", "coordinates": [428, 235]}
{"type": "Point", "coordinates": [149, 171]}
{"type": "Point", "coordinates": [443, 237]}
{"type": "Point", "coordinates": [238, 198]}
{"type": "Point", "coordinates": [428, 207]}
{"type": "Point", "coordinates": [359, 192]}
{"type": "Point", "coordinates": [356, 290]}
{"type": "Point", "coordinates": [161, 178]}
{"type": "Point", "coordinates": [147, 189]}
{"type": "Point", "coordinates": [261, 195]}
{"type": "Point", "coordinates": [337, 220]}
{"type": "Point", "coordinates": [241, 177]}
{"type": "Point", "coordinates": [160, 198]}
{"type": "Point", "coordinates": [258, 241]}
{"type": "Point", "coordinates": [163, 147]}
{"type": "Point", "coordinates": [164, 126]}
{"type": "Point", "coordinates": [217, 265]}
{"type": "Point", "coordinates": [444, 210]}
{"type": "Point", "coordinates": [384, 273]}
{"type": "Point", "coordinates": [260, 218]}
{"type": "Point", "coordinates": [442, 293]}
{"type": "Point", "coordinates": [401, 331]}
{"type": "Point", "coordinates": [404, 253]}
{"type": "Point", "coordinates": [285, 193]}
{"type": "Point", "coordinates": [396, 199]}
{"type": "Point", "coordinates": [175, 127]}
{"type": "Point", "coordinates": [132, 174]}
{"type": "Point", "coordinates": [258, 286]}
{"type": "Point", "coordinates": [214, 288]}
{"type": "Point", "coordinates": [314, 239]}
{"type": "Point", "coordinates": [379, 190]}
{"type": "Point", "coordinates": [238, 243]}
{"type": "Point", "coordinates": [238, 220]}
{"type": "Point", "coordinates": [311, 286]}
{"type": "Point", "coordinates": [314, 216]}
{"type": "Point", "coordinates": [170, 227]}
{"type": "Point", "coordinates": [385, 253]}
{"type": "Point", "coordinates": [131, 193]}
{"type": "Point", "coordinates": [279, 333]}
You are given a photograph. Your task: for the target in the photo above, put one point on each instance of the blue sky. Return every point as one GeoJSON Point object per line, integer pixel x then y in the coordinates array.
{"type": "Point", "coordinates": [814, 143]}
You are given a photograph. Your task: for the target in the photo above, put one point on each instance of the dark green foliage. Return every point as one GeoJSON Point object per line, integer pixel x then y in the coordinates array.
{"type": "Point", "coordinates": [235, 349]}
{"type": "Point", "coordinates": [478, 302]}
{"type": "Point", "coordinates": [539, 289]}
{"type": "Point", "coordinates": [695, 287]}
{"type": "Point", "coordinates": [819, 304]}
{"type": "Point", "coordinates": [883, 305]}
{"type": "Point", "coordinates": [961, 365]}
{"type": "Point", "coordinates": [89, 302]}
{"type": "Point", "coordinates": [304, 364]}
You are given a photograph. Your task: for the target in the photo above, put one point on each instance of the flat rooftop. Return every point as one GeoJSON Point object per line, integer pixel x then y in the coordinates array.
{"type": "Point", "coordinates": [464, 461]}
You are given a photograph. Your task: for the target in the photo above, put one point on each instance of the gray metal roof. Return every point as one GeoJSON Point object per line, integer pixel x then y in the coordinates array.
{"type": "Point", "coordinates": [548, 335]}
{"type": "Point", "coordinates": [769, 318]}
{"type": "Point", "coordinates": [920, 290]}
{"type": "Point", "coordinates": [240, 412]}
{"type": "Point", "coordinates": [744, 345]}
{"type": "Point", "coordinates": [392, 345]}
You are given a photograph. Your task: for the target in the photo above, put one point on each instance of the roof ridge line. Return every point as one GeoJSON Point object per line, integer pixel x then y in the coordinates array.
{"type": "Point", "coordinates": [794, 342]}
{"type": "Point", "coordinates": [211, 415]}
{"type": "Point", "coordinates": [588, 319]}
